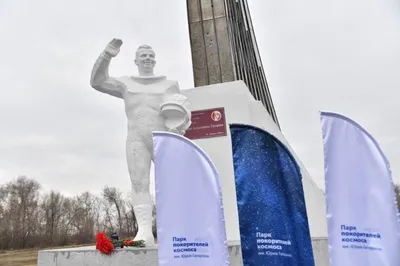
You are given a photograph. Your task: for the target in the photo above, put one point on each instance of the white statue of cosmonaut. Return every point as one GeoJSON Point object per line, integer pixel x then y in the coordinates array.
{"type": "Point", "coordinates": [152, 103]}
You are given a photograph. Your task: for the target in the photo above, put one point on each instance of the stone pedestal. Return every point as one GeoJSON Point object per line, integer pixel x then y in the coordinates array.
{"type": "Point", "coordinates": [89, 256]}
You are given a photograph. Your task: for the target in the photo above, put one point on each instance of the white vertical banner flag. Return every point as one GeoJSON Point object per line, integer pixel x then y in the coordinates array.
{"type": "Point", "coordinates": [363, 221]}
{"type": "Point", "coordinates": [190, 214]}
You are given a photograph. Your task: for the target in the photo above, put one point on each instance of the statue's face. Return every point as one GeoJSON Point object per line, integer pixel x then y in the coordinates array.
{"type": "Point", "coordinates": [145, 59]}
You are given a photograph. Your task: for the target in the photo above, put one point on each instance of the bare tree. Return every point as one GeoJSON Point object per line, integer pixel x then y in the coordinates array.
{"type": "Point", "coordinates": [85, 208]}
{"type": "Point", "coordinates": [22, 202]}
{"type": "Point", "coordinates": [154, 222]}
{"type": "Point", "coordinates": [65, 223]}
{"type": "Point", "coordinates": [52, 208]}
{"type": "Point", "coordinates": [118, 213]}
{"type": "Point", "coordinates": [397, 192]}
{"type": "Point", "coordinates": [130, 219]}
{"type": "Point", "coordinates": [5, 232]}
{"type": "Point", "coordinates": [29, 218]}
{"type": "Point", "coordinates": [114, 197]}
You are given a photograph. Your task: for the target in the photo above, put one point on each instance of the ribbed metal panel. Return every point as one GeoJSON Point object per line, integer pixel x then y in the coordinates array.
{"type": "Point", "coordinates": [244, 57]}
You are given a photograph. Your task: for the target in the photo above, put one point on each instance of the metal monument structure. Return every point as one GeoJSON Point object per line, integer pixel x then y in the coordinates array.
{"type": "Point", "coordinates": [224, 47]}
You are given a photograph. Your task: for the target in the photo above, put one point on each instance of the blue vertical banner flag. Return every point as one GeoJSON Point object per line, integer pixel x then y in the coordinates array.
{"type": "Point", "coordinates": [272, 212]}
{"type": "Point", "coordinates": [363, 221]}
{"type": "Point", "coordinates": [190, 214]}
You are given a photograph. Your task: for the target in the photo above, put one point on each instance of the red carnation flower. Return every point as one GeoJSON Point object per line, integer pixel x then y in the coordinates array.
{"type": "Point", "coordinates": [128, 242]}
{"type": "Point", "coordinates": [104, 244]}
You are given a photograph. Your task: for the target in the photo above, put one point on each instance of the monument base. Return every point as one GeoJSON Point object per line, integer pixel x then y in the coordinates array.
{"type": "Point", "coordinates": [89, 256]}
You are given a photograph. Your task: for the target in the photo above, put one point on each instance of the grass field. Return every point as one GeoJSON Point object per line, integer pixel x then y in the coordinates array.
{"type": "Point", "coordinates": [24, 257]}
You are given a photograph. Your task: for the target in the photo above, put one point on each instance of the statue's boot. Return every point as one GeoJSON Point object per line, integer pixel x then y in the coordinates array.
{"type": "Point", "coordinates": [144, 217]}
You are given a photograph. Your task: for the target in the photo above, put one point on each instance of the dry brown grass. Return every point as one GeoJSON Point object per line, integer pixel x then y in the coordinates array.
{"type": "Point", "coordinates": [27, 257]}
{"type": "Point", "coordinates": [24, 257]}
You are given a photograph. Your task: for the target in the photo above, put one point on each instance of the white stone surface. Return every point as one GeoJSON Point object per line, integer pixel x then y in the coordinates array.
{"type": "Point", "coordinates": [240, 107]}
{"type": "Point", "coordinates": [89, 256]}
{"type": "Point", "coordinates": [152, 103]}
{"type": "Point", "coordinates": [321, 251]}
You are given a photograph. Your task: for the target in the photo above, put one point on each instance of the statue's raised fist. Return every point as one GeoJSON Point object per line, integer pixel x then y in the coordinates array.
{"type": "Point", "coordinates": [113, 47]}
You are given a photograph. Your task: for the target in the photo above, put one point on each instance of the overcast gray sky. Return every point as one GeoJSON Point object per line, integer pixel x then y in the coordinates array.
{"type": "Point", "coordinates": [340, 56]}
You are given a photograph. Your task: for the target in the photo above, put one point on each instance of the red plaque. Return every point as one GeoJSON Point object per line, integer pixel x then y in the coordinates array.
{"type": "Point", "coordinates": [208, 123]}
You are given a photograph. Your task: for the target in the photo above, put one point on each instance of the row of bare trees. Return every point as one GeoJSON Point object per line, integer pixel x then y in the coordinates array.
{"type": "Point", "coordinates": [31, 218]}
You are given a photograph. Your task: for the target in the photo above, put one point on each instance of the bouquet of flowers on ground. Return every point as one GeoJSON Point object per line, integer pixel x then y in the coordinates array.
{"type": "Point", "coordinates": [106, 245]}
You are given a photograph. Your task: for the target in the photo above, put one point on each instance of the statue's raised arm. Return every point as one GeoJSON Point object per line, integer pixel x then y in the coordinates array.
{"type": "Point", "coordinates": [100, 79]}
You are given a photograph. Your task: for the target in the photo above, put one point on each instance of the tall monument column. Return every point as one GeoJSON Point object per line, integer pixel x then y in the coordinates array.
{"type": "Point", "coordinates": [224, 47]}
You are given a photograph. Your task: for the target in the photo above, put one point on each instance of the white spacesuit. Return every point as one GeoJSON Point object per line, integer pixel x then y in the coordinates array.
{"type": "Point", "coordinates": [152, 103]}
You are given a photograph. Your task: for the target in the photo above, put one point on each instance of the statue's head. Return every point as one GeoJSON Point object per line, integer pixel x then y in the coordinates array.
{"type": "Point", "coordinates": [145, 58]}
